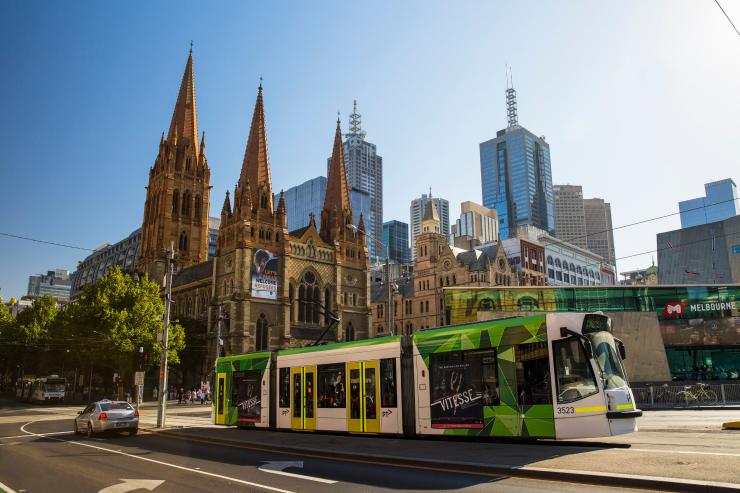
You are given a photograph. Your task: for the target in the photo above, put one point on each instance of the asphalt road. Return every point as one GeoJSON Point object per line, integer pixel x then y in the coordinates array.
{"type": "Point", "coordinates": [38, 453]}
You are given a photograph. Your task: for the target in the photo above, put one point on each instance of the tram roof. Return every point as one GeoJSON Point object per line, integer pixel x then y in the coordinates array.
{"type": "Point", "coordinates": [340, 345]}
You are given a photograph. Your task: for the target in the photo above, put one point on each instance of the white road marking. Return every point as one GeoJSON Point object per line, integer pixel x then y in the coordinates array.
{"type": "Point", "coordinates": [686, 452]}
{"type": "Point", "coordinates": [7, 488]}
{"type": "Point", "coordinates": [161, 463]}
{"type": "Point", "coordinates": [277, 468]}
{"type": "Point", "coordinates": [40, 434]}
{"type": "Point", "coordinates": [132, 485]}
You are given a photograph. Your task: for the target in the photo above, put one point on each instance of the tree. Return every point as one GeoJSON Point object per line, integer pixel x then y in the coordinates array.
{"type": "Point", "coordinates": [116, 316]}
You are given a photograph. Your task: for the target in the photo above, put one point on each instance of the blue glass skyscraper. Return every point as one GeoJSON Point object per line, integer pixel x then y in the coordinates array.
{"type": "Point", "coordinates": [720, 203]}
{"type": "Point", "coordinates": [516, 176]}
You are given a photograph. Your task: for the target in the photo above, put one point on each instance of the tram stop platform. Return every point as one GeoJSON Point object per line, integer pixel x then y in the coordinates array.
{"type": "Point", "coordinates": [624, 461]}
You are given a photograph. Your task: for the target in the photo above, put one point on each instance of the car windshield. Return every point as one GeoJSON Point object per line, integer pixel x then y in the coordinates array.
{"type": "Point", "coordinates": [610, 364]}
{"type": "Point", "coordinates": [54, 387]}
{"type": "Point", "coordinates": [115, 406]}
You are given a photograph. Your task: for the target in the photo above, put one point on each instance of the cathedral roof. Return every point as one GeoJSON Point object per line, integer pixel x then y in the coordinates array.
{"type": "Point", "coordinates": [256, 164]}
{"type": "Point", "coordinates": [194, 273]}
{"type": "Point", "coordinates": [430, 210]}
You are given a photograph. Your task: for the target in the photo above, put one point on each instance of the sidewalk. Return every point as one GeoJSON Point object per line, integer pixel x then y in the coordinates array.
{"type": "Point", "coordinates": [590, 462]}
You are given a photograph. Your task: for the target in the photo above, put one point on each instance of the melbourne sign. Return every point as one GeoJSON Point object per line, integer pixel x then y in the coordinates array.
{"type": "Point", "coordinates": [455, 399]}
{"type": "Point", "coordinates": [265, 274]}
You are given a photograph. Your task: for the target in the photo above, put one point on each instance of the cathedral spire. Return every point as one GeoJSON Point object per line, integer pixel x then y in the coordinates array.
{"type": "Point", "coordinates": [337, 211]}
{"type": "Point", "coordinates": [256, 165]}
{"type": "Point", "coordinates": [226, 209]}
{"type": "Point", "coordinates": [184, 124]}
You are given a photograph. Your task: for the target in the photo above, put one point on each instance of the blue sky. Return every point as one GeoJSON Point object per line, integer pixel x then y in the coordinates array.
{"type": "Point", "coordinates": [638, 100]}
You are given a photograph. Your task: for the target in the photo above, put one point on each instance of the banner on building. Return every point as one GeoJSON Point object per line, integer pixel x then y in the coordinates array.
{"type": "Point", "coordinates": [455, 399]}
{"type": "Point", "coordinates": [265, 274]}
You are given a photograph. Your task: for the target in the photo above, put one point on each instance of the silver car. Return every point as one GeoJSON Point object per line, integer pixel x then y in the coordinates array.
{"type": "Point", "coordinates": [107, 415]}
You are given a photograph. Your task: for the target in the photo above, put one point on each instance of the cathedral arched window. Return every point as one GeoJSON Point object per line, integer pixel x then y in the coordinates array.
{"type": "Point", "coordinates": [186, 199]}
{"type": "Point", "coordinates": [263, 201]}
{"type": "Point", "coordinates": [183, 242]}
{"type": "Point", "coordinates": [291, 297]}
{"type": "Point", "coordinates": [349, 332]}
{"type": "Point", "coordinates": [187, 164]}
{"type": "Point", "coordinates": [175, 202]}
{"type": "Point", "coordinates": [197, 209]}
{"type": "Point", "coordinates": [327, 302]}
{"type": "Point", "coordinates": [261, 337]}
{"type": "Point", "coordinates": [309, 298]}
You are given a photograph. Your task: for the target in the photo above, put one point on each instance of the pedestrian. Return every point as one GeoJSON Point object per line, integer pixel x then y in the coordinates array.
{"type": "Point", "coordinates": [186, 397]}
{"type": "Point", "coordinates": [202, 397]}
{"type": "Point", "coordinates": [154, 393]}
{"type": "Point", "coordinates": [179, 396]}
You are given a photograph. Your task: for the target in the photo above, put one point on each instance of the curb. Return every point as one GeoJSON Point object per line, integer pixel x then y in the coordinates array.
{"type": "Point", "coordinates": [567, 475]}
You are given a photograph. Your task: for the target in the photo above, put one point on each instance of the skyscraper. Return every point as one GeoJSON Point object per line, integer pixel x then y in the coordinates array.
{"type": "Point", "coordinates": [56, 283]}
{"type": "Point", "coordinates": [720, 203]}
{"type": "Point", "coordinates": [477, 225]}
{"type": "Point", "coordinates": [396, 238]}
{"type": "Point", "coordinates": [570, 218]}
{"type": "Point", "coordinates": [599, 229]}
{"type": "Point", "coordinates": [516, 176]}
{"type": "Point", "coordinates": [365, 173]}
{"type": "Point", "coordinates": [417, 213]}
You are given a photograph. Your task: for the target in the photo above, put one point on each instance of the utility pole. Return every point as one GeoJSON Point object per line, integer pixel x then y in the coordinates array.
{"type": "Point", "coordinates": [162, 408]}
{"type": "Point", "coordinates": [390, 290]}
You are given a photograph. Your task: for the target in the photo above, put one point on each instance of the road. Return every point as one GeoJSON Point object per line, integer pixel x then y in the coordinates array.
{"type": "Point", "coordinates": [38, 453]}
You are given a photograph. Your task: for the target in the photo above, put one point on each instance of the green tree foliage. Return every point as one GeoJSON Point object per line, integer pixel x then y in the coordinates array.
{"type": "Point", "coordinates": [118, 315]}
{"type": "Point", "coordinates": [36, 323]}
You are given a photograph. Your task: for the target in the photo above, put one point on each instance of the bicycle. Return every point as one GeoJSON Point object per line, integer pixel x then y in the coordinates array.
{"type": "Point", "coordinates": [703, 394]}
{"type": "Point", "coordinates": [663, 395]}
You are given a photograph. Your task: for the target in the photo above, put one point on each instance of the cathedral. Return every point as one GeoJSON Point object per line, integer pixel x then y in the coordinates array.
{"type": "Point", "coordinates": [267, 287]}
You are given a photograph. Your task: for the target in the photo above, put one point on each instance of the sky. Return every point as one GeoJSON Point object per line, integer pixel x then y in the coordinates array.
{"type": "Point", "coordinates": [639, 101]}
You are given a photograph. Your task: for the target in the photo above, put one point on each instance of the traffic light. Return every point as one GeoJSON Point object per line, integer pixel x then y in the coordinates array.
{"type": "Point", "coordinates": [140, 358]}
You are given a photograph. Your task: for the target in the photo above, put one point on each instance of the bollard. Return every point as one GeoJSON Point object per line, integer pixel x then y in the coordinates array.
{"type": "Point", "coordinates": [722, 391]}
{"type": "Point", "coordinates": [652, 397]}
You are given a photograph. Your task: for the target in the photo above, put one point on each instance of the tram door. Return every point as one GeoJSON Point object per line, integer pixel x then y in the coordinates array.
{"type": "Point", "coordinates": [303, 398]}
{"type": "Point", "coordinates": [221, 399]}
{"type": "Point", "coordinates": [363, 411]}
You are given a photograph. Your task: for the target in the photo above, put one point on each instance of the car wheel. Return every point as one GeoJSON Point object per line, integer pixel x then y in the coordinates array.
{"type": "Point", "coordinates": [89, 430]}
{"type": "Point", "coordinates": [77, 432]}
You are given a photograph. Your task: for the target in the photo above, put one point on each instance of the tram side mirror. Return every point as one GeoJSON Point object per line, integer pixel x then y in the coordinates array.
{"type": "Point", "coordinates": [620, 348]}
{"type": "Point", "coordinates": [589, 349]}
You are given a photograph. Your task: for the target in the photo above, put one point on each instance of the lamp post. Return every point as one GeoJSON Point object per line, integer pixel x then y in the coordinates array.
{"type": "Point", "coordinates": [163, 394]}
{"type": "Point", "coordinates": [389, 286]}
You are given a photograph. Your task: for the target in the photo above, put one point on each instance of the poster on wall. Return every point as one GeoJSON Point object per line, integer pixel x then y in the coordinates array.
{"type": "Point", "coordinates": [265, 274]}
{"type": "Point", "coordinates": [248, 401]}
{"type": "Point", "coordinates": [455, 399]}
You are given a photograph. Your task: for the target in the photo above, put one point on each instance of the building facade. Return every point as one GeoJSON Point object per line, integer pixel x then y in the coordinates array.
{"type": "Point", "coordinates": [396, 240]}
{"type": "Point", "coordinates": [365, 173]}
{"type": "Point", "coordinates": [527, 260]}
{"type": "Point", "coordinates": [418, 301]}
{"type": "Point", "coordinates": [704, 254]}
{"type": "Point", "coordinates": [275, 285]}
{"type": "Point", "coordinates": [640, 277]}
{"type": "Point", "coordinates": [570, 216]}
{"type": "Point", "coordinates": [123, 254]}
{"type": "Point", "coordinates": [516, 176]}
{"type": "Point", "coordinates": [719, 203]}
{"type": "Point", "coordinates": [599, 229]}
{"type": "Point", "coordinates": [308, 198]}
{"type": "Point", "coordinates": [416, 213]}
{"type": "Point", "coordinates": [477, 225]}
{"type": "Point", "coordinates": [55, 283]}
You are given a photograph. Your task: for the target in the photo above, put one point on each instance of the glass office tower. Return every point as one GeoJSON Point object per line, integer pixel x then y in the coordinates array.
{"type": "Point", "coordinates": [396, 238]}
{"type": "Point", "coordinates": [516, 180]}
{"type": "Point", "coordinates": [720, 203]}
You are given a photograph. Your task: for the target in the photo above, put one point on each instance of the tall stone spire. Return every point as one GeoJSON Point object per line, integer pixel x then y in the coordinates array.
{"type": "Point", "coordinates": [184, 124]}
{"type": "Point", "coordinates": [256, 164]}
{"type": "Point", "coordinates": [337, 211]}
{"type": "Point", "coordinates": [430, 222]}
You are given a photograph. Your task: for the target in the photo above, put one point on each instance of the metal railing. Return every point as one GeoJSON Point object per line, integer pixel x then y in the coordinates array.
{"type": "Point", "coordinates": [678, 395]}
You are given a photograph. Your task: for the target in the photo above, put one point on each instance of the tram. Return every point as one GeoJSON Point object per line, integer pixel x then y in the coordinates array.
{"type": "Point", "coordinates": [554, 376]}
{"type": "Point", "coordinates": [41, 390]}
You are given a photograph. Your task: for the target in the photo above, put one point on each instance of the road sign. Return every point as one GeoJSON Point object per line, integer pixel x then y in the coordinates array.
{"type": "Point", "coordinates": [139, 378]}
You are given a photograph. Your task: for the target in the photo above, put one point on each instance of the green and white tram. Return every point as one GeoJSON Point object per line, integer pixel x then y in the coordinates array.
{"type": "Point", "coordinates": [555, 375]}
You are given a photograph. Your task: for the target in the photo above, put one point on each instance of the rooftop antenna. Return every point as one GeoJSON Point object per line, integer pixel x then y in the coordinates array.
{"type": "Point", "coordinates": [511, 112]}
{"type": "Point", "coordinates": [355, 123]}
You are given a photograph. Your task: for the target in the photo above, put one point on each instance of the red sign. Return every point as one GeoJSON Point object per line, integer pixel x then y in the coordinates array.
{"type": "Point", "coordinates": [676, 309]}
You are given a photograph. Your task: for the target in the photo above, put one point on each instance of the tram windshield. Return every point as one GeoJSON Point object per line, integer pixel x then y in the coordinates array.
{"type": "Point", "coordinates": [610, 364]}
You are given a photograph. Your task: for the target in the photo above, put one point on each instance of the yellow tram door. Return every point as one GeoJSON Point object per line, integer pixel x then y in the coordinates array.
{"type": "Point", "coordinates": [303, 398]}
{"type": "Point", "coordinates": [363, 410]}
{"type": "Point", "coordinates": [220, 399]}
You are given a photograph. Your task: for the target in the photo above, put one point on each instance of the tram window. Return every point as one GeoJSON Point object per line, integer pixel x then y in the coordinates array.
{"type": "Point", "coordinates": [354, 394]}
{"type": "Point", "coordinates": [331, 386]}
{"type": "Point", "coordinates": [388, 383]}
{"type": "Point", "coordinates": [309, 394]}
{"type": "Point", "coordinates": [533, 374]}
{"type": "Point", "coordinates": [370, 402]}
{"type": "Point", "coordinates": [297, 395]}
{"type": "Point", "coordinates": [477, 369]}
{"type": "Point", "coordinates": [575, 377]}
{"type": "Point", "coordinates": [284, 387]}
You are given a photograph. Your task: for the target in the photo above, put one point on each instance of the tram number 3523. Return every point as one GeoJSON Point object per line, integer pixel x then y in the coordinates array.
{"type": "Point", "coordinates": [566, 410]}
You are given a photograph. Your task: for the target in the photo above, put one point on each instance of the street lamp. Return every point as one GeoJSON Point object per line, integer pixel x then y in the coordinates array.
{"type": "Point", "coordinates": [387, 278]}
